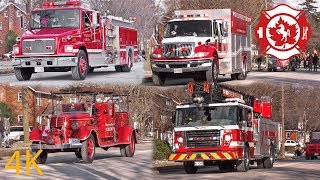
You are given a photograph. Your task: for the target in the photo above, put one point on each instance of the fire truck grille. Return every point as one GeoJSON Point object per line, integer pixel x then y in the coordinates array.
{"type": "Point", "coordinates": [58, 123]}
{"type": "Point", "coordinates": [38, 46]}
{"type": "Point", "coordinates": [203, 139]}
{"type": "Point", "coordinates": [178, 50]}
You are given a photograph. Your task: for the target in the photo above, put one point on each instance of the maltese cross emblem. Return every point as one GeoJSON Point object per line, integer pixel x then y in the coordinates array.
{"type": "Point", "coordinates": [283, 32]}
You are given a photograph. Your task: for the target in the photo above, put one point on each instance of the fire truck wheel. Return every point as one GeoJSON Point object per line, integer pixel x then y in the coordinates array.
{"type": "Point", "coordinates": [23, 74]}
{"type": "Point", "coordinates": [91, 69]}
{"type": "Point", "coordinates": [80, 71]}
{"type": "Point", "coordinates": [268, 161]}
{"type": "Point", "coordinates": [212, 74]}
{"type": "Point", "coordinates": [88, 150]}
{"type": "Point", "coordinates": [78, 154]}
{"type": "Point", "coordinates": [118, 68]}
{"type": "Point", "coordinates": [42, 158]}
{"type": "Point", "coordinates": [234, 76]}
{"type": "Point", "coordinates": [127, 67]}
{"type": "Point", "coordinates": [189, 167]}
{"type": "Point", "coordinates": [243, 165]}
{"type": "Point", "coordinates": [129, 149]}
{"type": "Point", "coordinates": [260, 164]}
{"type": "Point", "coordinates": [158, 79]}
{"type": "Point", "coordinates": [105, 148]}
{"type": "Point", "coordinates": [307, 157]}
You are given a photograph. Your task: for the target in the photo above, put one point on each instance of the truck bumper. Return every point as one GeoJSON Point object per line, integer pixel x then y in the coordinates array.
{"type": "Point", "coordinates": [181, 67]}
{"type": "Point", "coordinates": [58, 146]}
{"type": "Point", "coordinates": [44, 62]}
{"type": "Point", "coordinates": [203, 156]}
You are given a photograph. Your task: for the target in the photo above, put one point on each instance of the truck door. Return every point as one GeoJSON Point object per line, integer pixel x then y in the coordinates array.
{"type": "Point", "coordinates": [110, 121]}
{"type": "Point", "coordinates": [87, 30]}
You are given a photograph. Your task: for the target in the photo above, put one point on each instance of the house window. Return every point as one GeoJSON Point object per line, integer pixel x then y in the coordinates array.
{"type": "Point", "coordinates": [0, 25]}
{"type": "Point", "coordinates": [287, 135]}
{"type": "Point", "coordinates": [18, 13]}
{"type": "Point", "coordinates": [19, 96]}
{"type": "Point", "coordinates": [20, 118]}
{"type": "Point", "coordinates": [39, 102]}
{"type": "Point", "coordinates": [0, 43]}
{"type": "Point", "coordinates": [6, 14]}
{"type": "Point", "coordinates": [22, 22]}
{"type": "Point", "coordinates": [73, 100]}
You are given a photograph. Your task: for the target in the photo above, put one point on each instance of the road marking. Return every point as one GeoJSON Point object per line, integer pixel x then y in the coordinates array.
{"type": "Point", "coordinates": [86, 171]}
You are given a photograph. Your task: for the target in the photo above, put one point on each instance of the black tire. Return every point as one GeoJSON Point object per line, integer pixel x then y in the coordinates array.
{"type": "Point", "coordinates": [80, 71]}
{"type": "Point", "coordinates": [118, 68]}
{"type": "Point", "coordinates": [78, 154]}
{"type": "Point", "coordinates": [158, 79]}
{"type": "Point", "coordinates": [244, 164]}
{"type": "Point", "coordinates": [91, 69]}
{"type": "Point", "coordinates": [128, 149]}
{"type": "Point", "coordinates": [260, 164]}
{"type": "Point", "coordinates": [269, 69]}
{"type": "Point", "coordinates": [127, 67]}
{"type": "Point", "coordinates": [189, 167]}
{"type": "Point", "coordinates": [268, 161]}
{"type": "Point", "coordinates": [42, 158]}
{"type": "Point", "coordinates": [213, 73]}
{"type": "Point", "coordinates": [244, 73]}
{"type": "Point", "coordinates": [23, 74]}
{"type": "Point", "coordinates": [88, 149]}
{"type": "Point", "coordinates": [307, 157]}
{"type": "Point", "coordinates": [234, 76]}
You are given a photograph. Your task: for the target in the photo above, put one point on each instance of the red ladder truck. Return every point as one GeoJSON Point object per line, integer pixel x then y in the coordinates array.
{"type": "Point", "coordinates": [224, 127]}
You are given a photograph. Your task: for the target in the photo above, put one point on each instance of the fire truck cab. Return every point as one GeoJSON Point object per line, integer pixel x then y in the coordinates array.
{"type": "Point", "coordinates": [101, 120]}
{"type": "Point", "coordinates": [225, 128]}
{"type": "Point", "coordinates": [203, 44]}
{"type": "Point", "coordinates": [70, 36]}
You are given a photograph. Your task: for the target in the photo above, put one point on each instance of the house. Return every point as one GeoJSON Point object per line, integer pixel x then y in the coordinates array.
{"type": "Point", "coordinates": [37, 103]}
{"type": "Point", "coordinates": [12, 17]}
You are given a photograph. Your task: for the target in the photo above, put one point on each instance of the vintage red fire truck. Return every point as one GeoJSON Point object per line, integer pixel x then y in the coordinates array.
{"type": "Point", "coordinates": [204, 44]}
{"type": "Point", "coordinates": [224, 127]}
{"type": "Point", "coordinates": [69, 36]}
{"type": "Point", "coordinates": [94, 120]}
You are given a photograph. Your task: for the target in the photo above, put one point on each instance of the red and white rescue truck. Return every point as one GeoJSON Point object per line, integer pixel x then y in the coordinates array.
{"type": "Point", "coordinates": [224, 127]}
{"type": "Point", "coordinates": [94, 120]}
{"type": "Point", "coordinates": [204, 44]}
{"type": "Point", "coordinates": [69, 36]}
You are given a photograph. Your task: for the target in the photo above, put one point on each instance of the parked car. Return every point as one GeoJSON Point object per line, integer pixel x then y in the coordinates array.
{"type": "Point", "coordinates": [275, 64]}
{"type": "Point", "coordinates": [16, 133]}
{"type": "Point", "coordinates": [290, 143]}
{"type": "Point", "coordinates": [7, 55]}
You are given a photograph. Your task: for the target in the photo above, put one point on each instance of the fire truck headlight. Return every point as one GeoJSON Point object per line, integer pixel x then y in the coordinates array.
{"type": "Point", "coordinates": [68, 48]}
{"type": "Point", "coordinates": [157, 55]}
{"type": "Point", "coordinates": [74, 126]}
{"type": "Point", "coordinates": [15, 50]}
{"type": "Point", "coordinates": [201, 54]}
{"type": "Point", "coordinates": [227, 138]}
{"type": "Point", "coordinates": [180, 140]}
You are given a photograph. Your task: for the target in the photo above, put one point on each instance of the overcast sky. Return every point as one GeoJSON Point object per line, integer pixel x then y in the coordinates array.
{"type": "Point", "coordinates": [295, 3]}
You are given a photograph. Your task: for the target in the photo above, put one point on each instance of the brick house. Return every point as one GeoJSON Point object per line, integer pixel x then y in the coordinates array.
{"type": "Point", "coordinates": [38, 102]}
{"type": "Point", "coordinates": [12, 17]}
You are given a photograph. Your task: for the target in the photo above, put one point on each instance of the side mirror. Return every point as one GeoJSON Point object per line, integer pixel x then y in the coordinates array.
{"type": "Point", "coordinates": [173, 117]}
{"type": "Point", "coordinates": [225, 28]}
{"type": "Point", "coordinates": [95, 19]}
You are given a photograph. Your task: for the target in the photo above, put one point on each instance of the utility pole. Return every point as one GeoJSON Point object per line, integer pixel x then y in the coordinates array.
{"type": "Point", "coordinates": [282, 124]}
{"type": "Point", "coordinates": [25, 101]}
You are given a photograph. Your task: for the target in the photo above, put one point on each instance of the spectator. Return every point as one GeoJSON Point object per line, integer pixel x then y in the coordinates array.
{"type": "Point", "coordinates": [315, 60]}
{"type": "Point", "coordinates": [7, 131]}
{"type": "Point", "coordinates": [1, 131]}
{"type": "Point", "coordinates": [259, 61]}
{"type": "Point", "coordinates": [310, 58]}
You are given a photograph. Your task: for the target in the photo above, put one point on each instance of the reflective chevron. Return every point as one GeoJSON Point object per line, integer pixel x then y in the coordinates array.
{"type": "Point", "coordinates": [203, 156]}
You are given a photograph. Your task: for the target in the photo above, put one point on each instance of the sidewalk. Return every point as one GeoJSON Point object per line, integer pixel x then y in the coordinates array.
{"type": "Point", "coordinates": [5, 67]}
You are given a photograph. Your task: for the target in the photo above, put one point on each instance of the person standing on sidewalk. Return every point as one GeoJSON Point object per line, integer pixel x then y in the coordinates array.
{"type": "Point", "coordinates": [259, 61]}
{"type": "Point", "coordinates": [1, 131]}
{"type": "Point", "coordinates": [7, 132]}
{"type": "Point", "coordinates": [315, 60]}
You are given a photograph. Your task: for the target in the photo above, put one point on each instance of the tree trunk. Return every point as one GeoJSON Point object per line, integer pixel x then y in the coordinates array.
{"type": "Point", "coordinates": [25, 100]}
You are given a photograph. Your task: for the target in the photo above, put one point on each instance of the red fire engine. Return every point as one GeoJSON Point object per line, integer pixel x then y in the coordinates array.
{"type": "Point", "coordinates": [69, 36]}
{"type": "Point", "coordinates": [203, 44]}
{"type": "Point", "coordinates": [224, 127]}
{"type": "Point", "coordinates": [95, 120]}
{"type": "Point", "coordinates": [313, 147]}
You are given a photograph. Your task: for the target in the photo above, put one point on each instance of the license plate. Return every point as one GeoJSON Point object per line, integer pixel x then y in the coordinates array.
{"type": "Point", "coordinates": [316, 154]}
{"type": "Point", "coordinates": [74, 141]}
{"type": "Point", "coordinates": [38, 69]}
{"type": "Point", "coordinates": [177, 70]}
{"type": "Point", "coordinates": [198, 163]}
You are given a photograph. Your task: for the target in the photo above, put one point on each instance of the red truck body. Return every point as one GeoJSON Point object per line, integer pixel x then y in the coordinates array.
{"type": "Point", "coordinates": [313, 147]}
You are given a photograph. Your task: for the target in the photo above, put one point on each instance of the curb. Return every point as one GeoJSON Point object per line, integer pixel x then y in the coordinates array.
{"type": "Point", "coordinates": [168, 168]}
{"type": "Point", "coordinates": [8, 152]}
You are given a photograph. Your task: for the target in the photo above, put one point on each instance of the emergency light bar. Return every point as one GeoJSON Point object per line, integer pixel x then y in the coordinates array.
{"type": "Point", "coordinates": [178, 15]}
{"type": "Point", "coordinates": [62, 3]}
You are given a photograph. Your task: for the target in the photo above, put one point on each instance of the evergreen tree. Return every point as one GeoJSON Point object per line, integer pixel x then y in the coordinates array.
{"type": "Point", "coordinates": [310, 7]}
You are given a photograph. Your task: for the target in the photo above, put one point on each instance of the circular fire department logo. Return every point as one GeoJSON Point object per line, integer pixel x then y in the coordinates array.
{"type": "Point", "coordinates": [283, 32]}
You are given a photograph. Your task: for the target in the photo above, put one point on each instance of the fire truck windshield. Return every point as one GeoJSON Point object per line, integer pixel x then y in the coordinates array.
{"type": "Point", "coordinates": [60, 18]}
{"type": "Point", "coordinates": [206, 116]}
{"type": "Point", "coordinates": [199, 28]}
{"type": "Point", "coordinates": [73, 108]}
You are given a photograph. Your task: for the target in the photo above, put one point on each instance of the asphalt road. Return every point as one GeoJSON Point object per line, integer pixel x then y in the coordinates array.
{"type": "Point", "coordinates": [287, 169]}
{"type": "Point", "coordinates": [107, 165]}
{"type": "Point", "coordinates": [299, 78]}
{"type": "Point", "coordinates": [100, 76]}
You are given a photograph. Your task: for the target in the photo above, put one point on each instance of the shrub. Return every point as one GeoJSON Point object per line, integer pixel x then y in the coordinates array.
{"type": "Point", "coordinates": [161, 149]}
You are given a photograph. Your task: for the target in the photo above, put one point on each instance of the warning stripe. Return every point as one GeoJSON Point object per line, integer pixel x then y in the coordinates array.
{"type": "Point", "coordinates": [203, 156]}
